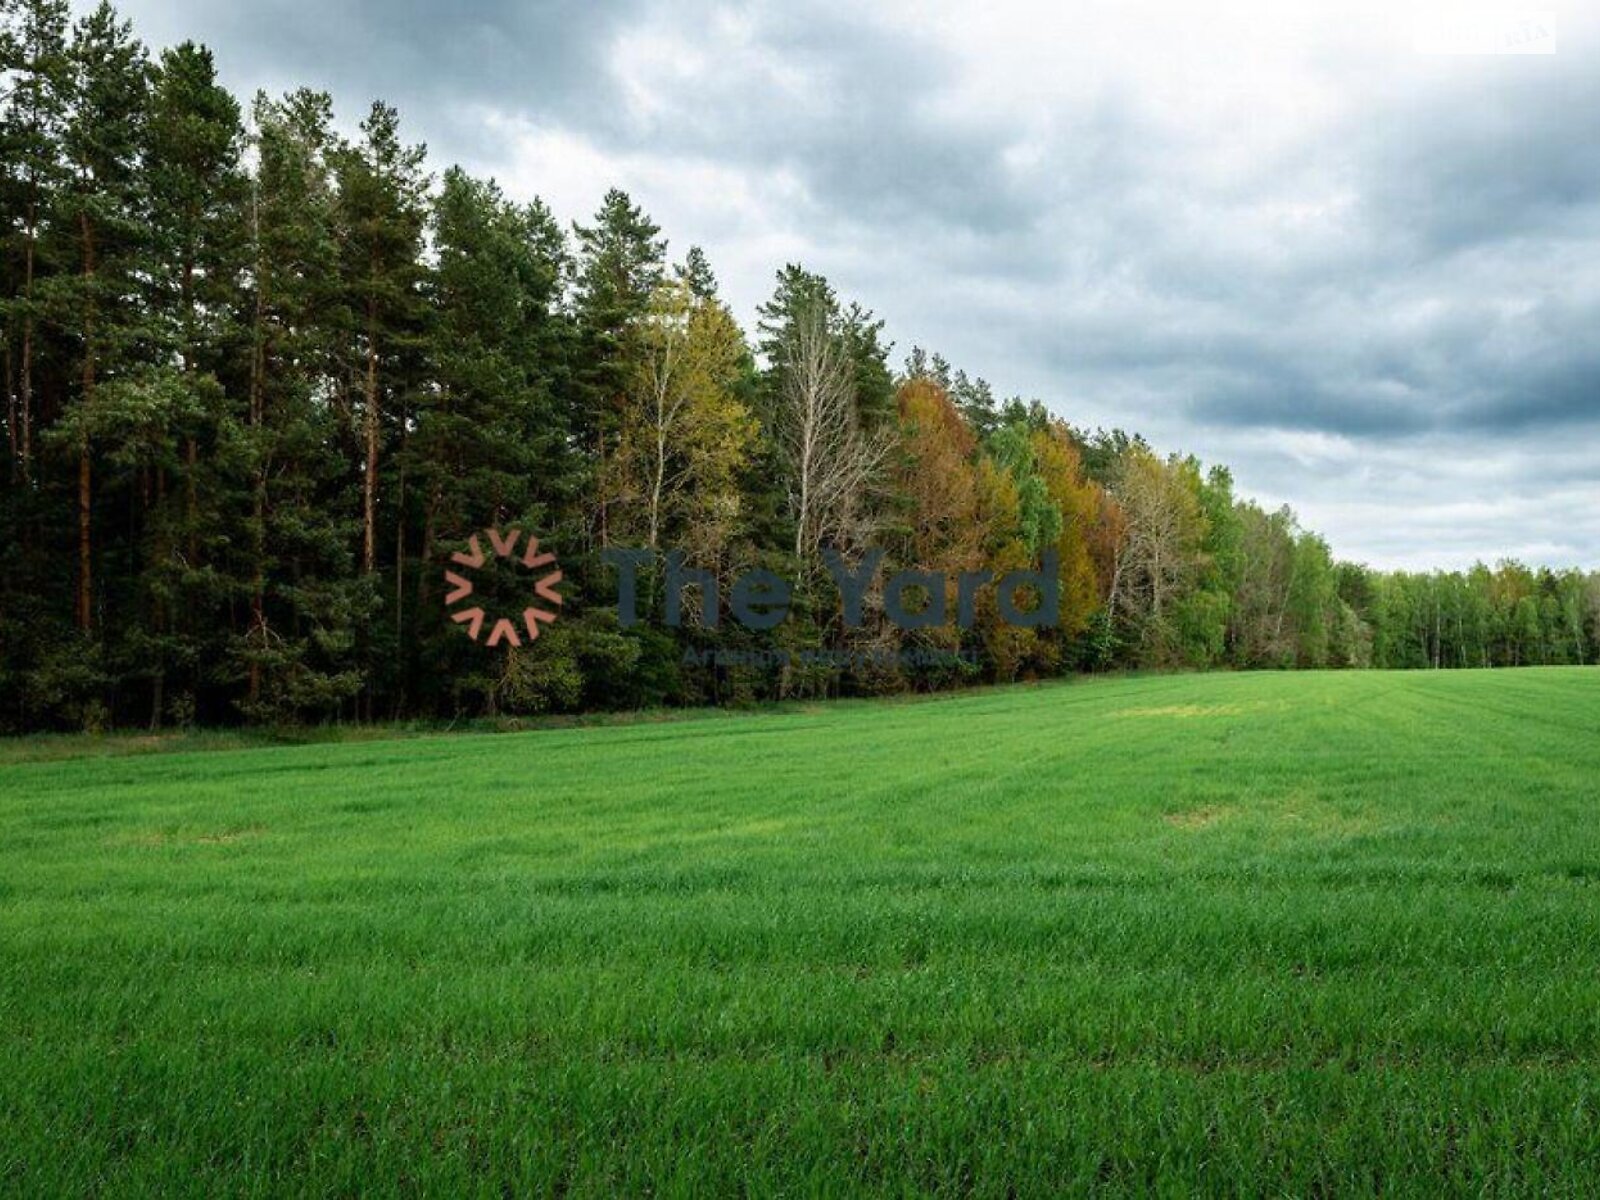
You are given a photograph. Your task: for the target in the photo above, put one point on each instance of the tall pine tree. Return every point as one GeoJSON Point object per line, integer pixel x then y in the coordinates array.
{"type": "Point", "coordinates": [103, 213]}
{"type": "Point", "coordinates": [620, 261]}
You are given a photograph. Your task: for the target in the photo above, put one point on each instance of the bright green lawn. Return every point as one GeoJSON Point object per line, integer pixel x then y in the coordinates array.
{"type": "Point", "coordinates": [1283, 933]}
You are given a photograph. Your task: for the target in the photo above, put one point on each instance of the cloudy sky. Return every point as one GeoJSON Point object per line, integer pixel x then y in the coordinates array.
{"type": "Point", "coordinates": [1274, 235]}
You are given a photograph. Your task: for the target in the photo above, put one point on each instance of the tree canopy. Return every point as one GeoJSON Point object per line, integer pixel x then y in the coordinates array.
{"type": "Point", "coordinates": [263, 377]}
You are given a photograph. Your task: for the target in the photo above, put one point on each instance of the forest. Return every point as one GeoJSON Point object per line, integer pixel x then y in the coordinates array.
{"type": "Point", "coordinates": [263, 376]}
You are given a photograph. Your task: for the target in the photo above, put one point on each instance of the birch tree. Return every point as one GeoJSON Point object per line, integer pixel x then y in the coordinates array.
{"type": "Point", "coordinates": [686, 432]}
{"type": "Point", "coordinates": [1165, 528]}
{"type": "Point", "coordinates": [832, 462]}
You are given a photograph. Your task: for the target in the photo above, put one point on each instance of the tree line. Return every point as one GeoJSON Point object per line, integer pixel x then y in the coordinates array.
{"type": "Point", "coordinates": [262, 378]}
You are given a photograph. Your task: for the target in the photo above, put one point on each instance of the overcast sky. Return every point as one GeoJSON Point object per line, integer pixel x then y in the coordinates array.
{"type": "Point", "coordinates": [1277, 236]}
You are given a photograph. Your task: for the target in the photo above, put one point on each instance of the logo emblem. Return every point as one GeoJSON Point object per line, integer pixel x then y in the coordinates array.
{"type": "Point", "coordinates": [502, 629]}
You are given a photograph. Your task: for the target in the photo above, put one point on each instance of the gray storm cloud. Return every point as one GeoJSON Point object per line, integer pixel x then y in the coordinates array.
{"type": "Point", "coordinates": [1367, 279]}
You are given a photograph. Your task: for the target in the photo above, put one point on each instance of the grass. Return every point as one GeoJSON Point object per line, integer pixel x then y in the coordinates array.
{"type": "Point", "coordinates": [54, 747]}
{"type": "Point", "coordinates": [1289, 934]}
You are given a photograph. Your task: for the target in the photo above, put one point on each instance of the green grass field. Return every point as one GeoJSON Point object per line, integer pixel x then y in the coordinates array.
{"type": "Point", "coordinates": [1290, 934]}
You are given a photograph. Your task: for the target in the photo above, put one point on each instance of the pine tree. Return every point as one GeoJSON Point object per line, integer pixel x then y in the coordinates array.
{"type": "Point", "coordinates": [32, 170]}
{"type": "Point", "coordinates": [803, 297]}
{"type": "Point", "coordinates": [799, 294]}
{"type": "Point", "coordinates": [44, 672]}
{"type": "Point", "coordinates": [382, 210]}
{"type": "Point", "coordinates": [103, 208]}
{"type": "Point", "coordinates": [491, 445]}
{"type": "Point", "coordinates": [862, 333]}
{"type": "Point", "coordinates": [620, 262]}
{"type": "Point", "coordinates": [306, 598]}
{"type": "Point", "coordinates": [695, 272]}
{"type": "Point", "coordinates": [976, 401]}
{"type": "Point", "coordinates": [196, 257]}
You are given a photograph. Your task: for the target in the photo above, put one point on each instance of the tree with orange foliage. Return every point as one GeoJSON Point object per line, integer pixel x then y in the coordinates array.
{"type": "Point", "coordinates": [936, 479]}
{"type": "Point", "coordinates": [1079, 500]}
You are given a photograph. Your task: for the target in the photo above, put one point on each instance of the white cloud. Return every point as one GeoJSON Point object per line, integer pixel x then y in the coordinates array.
{"type": "Point", "coordinates": [1269, 233]}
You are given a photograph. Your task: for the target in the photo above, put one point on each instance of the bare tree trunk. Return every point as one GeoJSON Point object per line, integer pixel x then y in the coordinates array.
{"type": "Point", "coordinates": [400, 550]}
{"type": "Point", "coordinates": [85, 478]}
{"type": "Point", "coordinates": [830, 461]}
{"type": "Point", "coordinates": [658, 483]}
{"type": "Point", "coordinates": [429, 526]}
{"type": "Point", "coordinates": [369, 482]}
{"type": "Point", "coordinates": [258, 530]}
{"type": "Point", "coordinates": [1156, 580]}
{"type": "Point", "coordinates": [85, 610]}
{"type": "Point", "coordinates": [662, 370]}
{"type": "Point", "coordinates": [12, 443]}
{"type": "Point", "coordinates": [1283, 609]}
{"type": "Point", "coordinates": [158, 618]}
{"type": "Point", "coordinates": [601, 484]}
{"type": "Point", "coordinates": [802, 520]}
{"type": "Point", "coordinates": [191, 453]}
{"type": "Point", "coordinates": [26, 380]}
{"type": "Point", "coordinates": [1116, 582]}
{"type": "Point", "coordinates": [369, 479]}
{"type": "Point", "coordinates": [400, 576]}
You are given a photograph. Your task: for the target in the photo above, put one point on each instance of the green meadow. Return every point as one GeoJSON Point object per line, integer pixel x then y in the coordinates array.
{"type": "Point", "coordinates": [1289, 934]}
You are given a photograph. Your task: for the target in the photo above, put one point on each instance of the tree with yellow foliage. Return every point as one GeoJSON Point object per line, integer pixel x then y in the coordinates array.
{"type": "Point", "coordinates": [685, 431]}
{"type": "Point", "coordinates": [1079, 501]}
